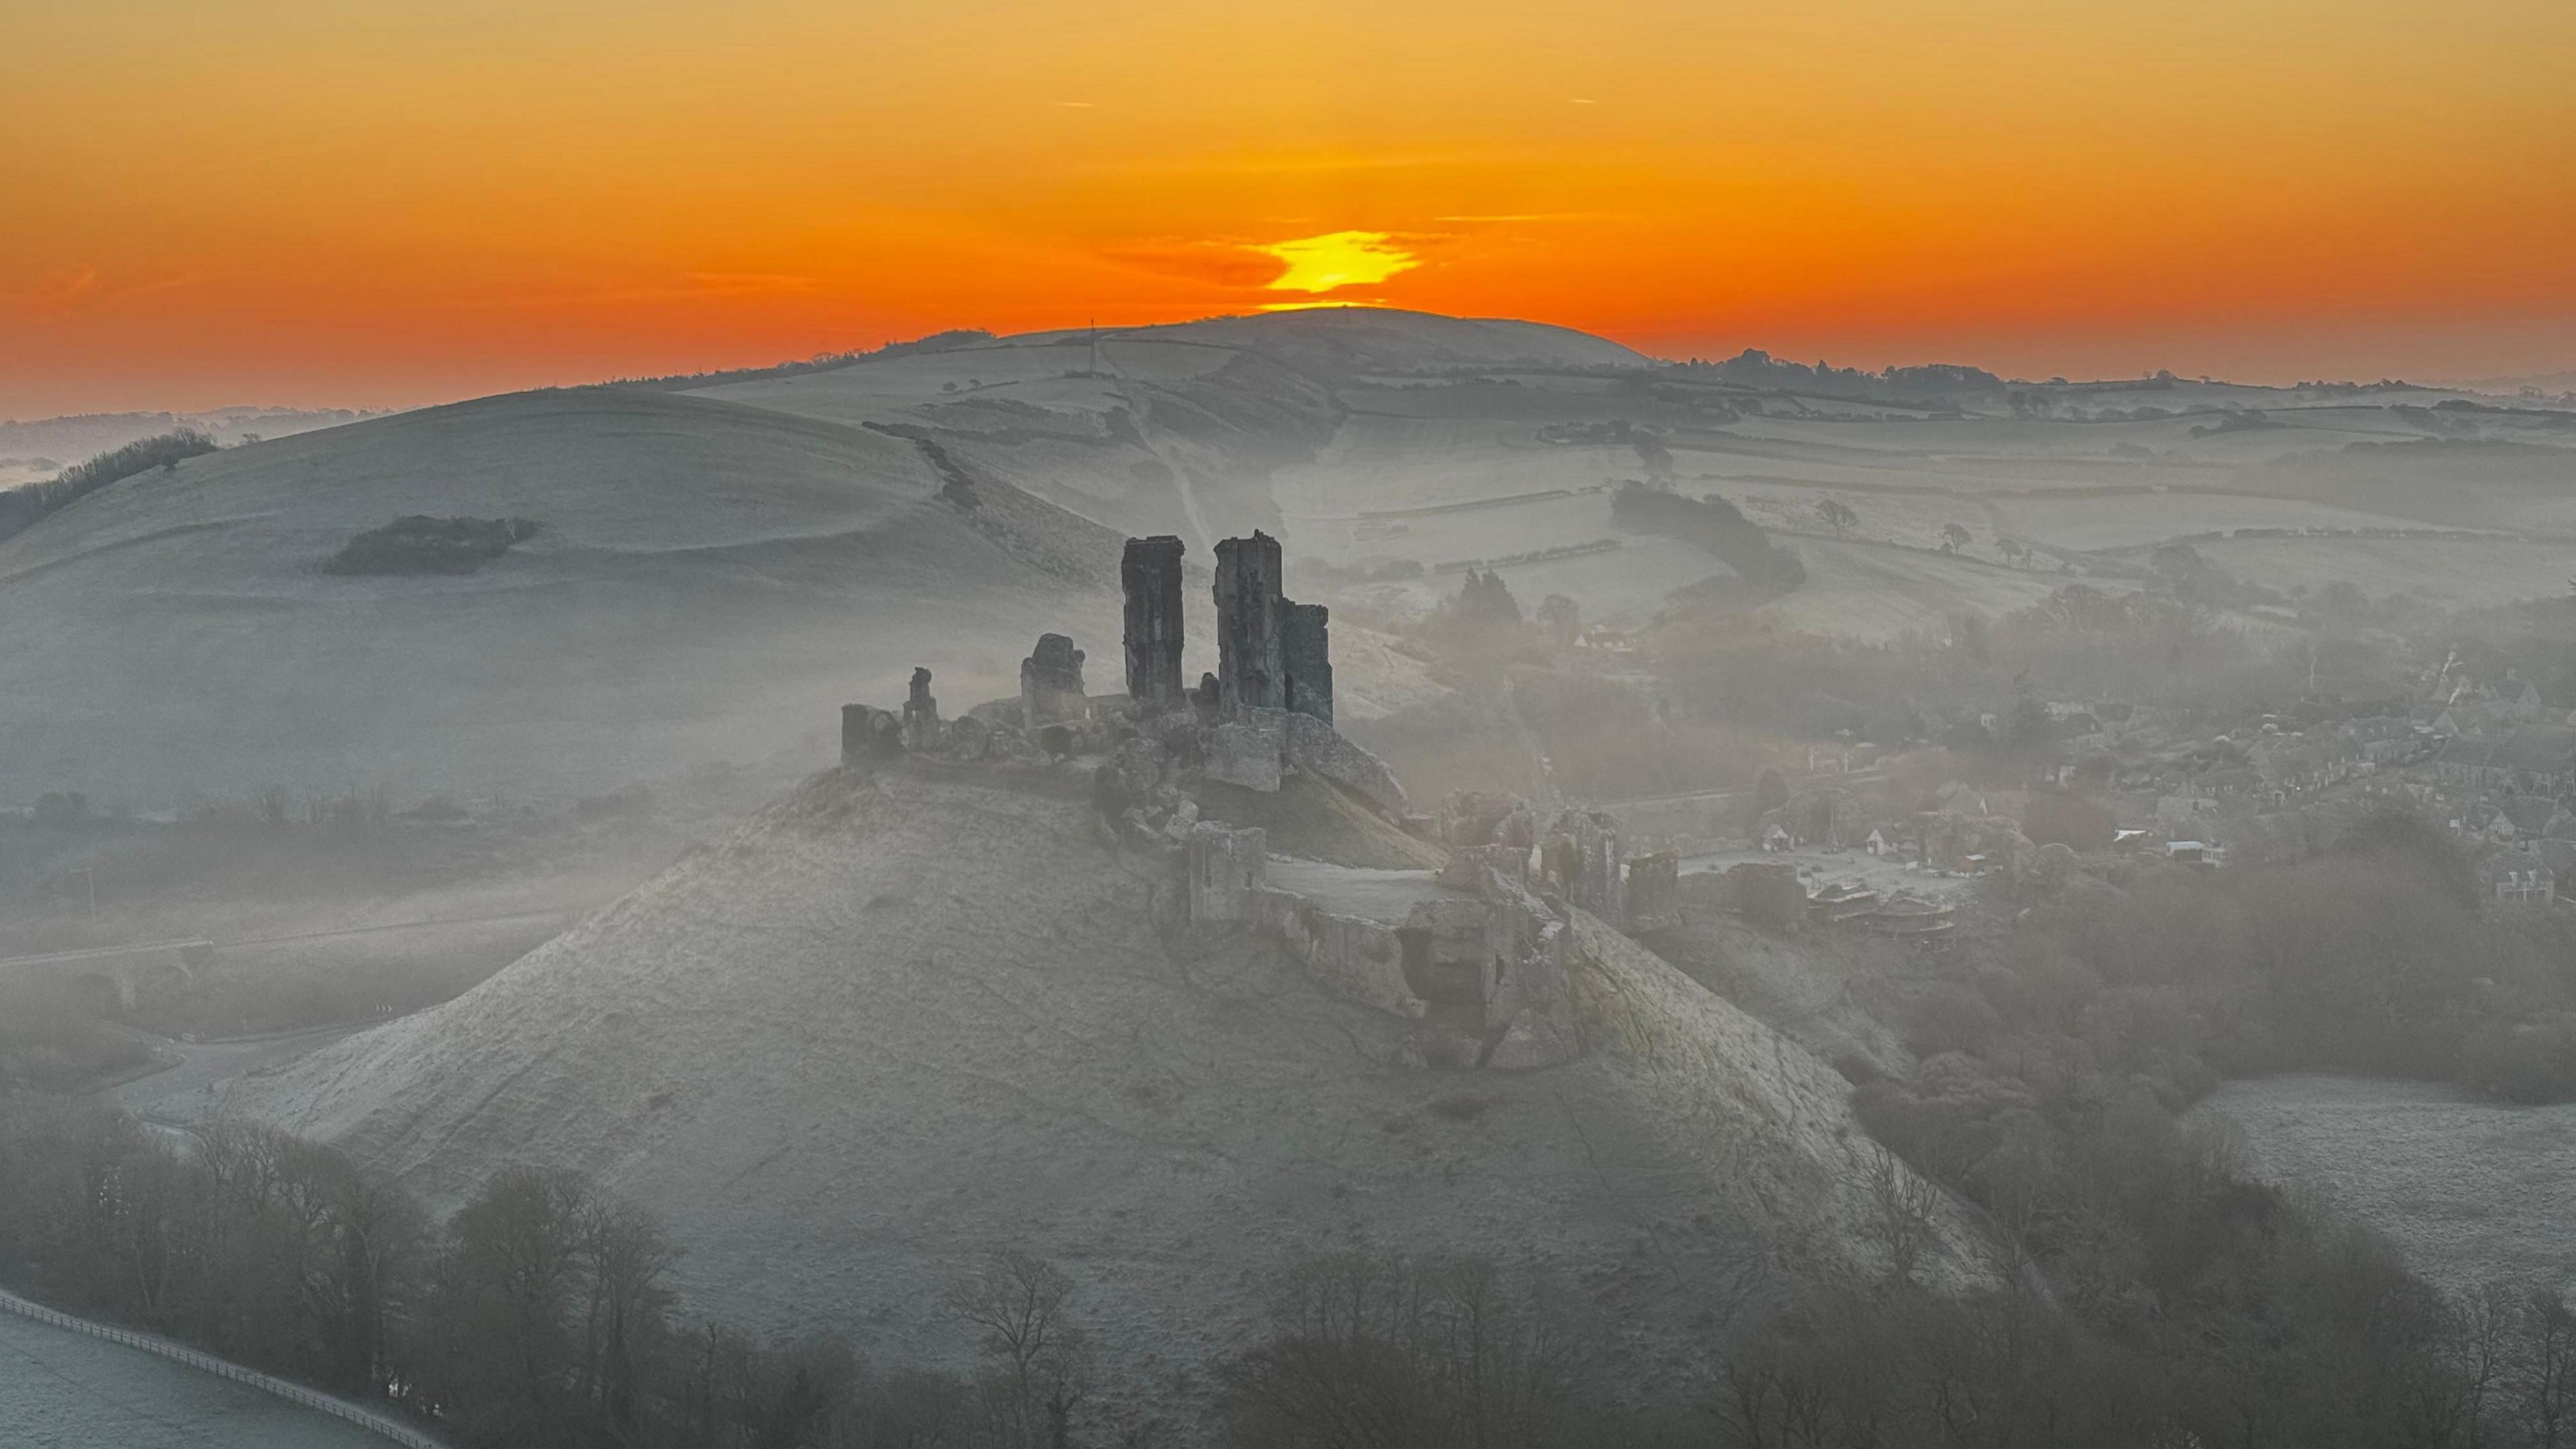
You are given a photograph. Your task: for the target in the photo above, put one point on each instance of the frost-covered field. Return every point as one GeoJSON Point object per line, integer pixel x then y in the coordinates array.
{"type": "Point", "coordinates": [64, 1390]}
{"type": "Point", "coordinates": [2470, 1190]}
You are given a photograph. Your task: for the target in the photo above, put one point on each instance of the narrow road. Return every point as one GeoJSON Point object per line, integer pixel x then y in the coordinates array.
{"type": "Point", "coordinates": [103, 953]}
{"type": "Point", "coordinates": [69, 1389]}
{"type": "Point", "coordinates": [198, 1067]}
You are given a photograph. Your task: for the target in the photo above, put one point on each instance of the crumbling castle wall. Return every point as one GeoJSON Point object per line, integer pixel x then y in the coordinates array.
{"type": "Point", "coordinates": [1253, 748]}
{"type": "Point", "coordinates": [1306, 656]}
{"type": "Point", "coordinates": [1320, 750]}
{"type": "Point", "coordinates": [1654, 892]}
{"type": "Point", "coordinates": [1225, 872]}
{"type": "Point", "coordinates": [1250, 672]}
{"type": "Point", "coordinates": [1584, 861]}
{"type": "Point", "coordinates": [1248, 749]}
{"type": "Point", "coordinates": [920, 714]}
{"type": "Point", "coordinates": [1529, 995]}
{"type": "Point", "coordinates": [1357, 960]}
{"type": "Point", "coordinates": [1767, 894]}
{"type": "Point", "coordinates": [1150, 576]}
{"type": "Point", "coordinates": [868, 734]}
{"type": "Point", "coordinates": [1051, 683]}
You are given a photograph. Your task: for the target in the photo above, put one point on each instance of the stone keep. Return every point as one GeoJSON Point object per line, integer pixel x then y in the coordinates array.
{"type": "Point", "coordinates": [1051, 682]}
{"type": "Point", "coordinates": [1150, 574]}
{"type": "Point", "coordinates": [1249, 668]}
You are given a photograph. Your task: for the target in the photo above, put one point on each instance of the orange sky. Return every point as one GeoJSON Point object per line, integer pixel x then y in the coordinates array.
{"type": "Point", "coordinates": [373, 202]}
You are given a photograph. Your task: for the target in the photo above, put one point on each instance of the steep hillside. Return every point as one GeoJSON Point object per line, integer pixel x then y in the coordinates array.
{"type": "Point", "coordinates": [704, 582]}
{"type": "Point", "coordinates": [901, 1020]}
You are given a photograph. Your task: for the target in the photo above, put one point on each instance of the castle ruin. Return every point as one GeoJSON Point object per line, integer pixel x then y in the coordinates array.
{"type": "Point", "coordinates": [1150, 575]}
{"type": "Point", "coordinates": [1475, 955]}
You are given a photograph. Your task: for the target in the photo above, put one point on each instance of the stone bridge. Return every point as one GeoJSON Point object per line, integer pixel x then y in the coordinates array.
{"type": "Point", "coordinates": [115, 975]}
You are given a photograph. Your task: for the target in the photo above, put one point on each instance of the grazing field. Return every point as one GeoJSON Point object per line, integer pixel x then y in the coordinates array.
{"type": "Point", "coordinates": [2470, 1190]}
{"type": "Point", "coordinates": [2458, 572]}
{"type": "Point", "coordinates": [1871, 591]}
{"type": "Point", "coordinates": [64, 1390]}
{"type": "Point", "coordinates": [2135, 519]}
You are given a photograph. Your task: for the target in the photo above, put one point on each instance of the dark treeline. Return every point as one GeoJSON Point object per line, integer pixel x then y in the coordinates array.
{"type": "Point", "coordinates": [1945, 383]}
{"type": "Point", "coordinates": [2161, 1296]}
{"type": "Point", "coordinates": [1715, 525]}
{"type": "Point", "coordinates": [2370, 950]}
{"type": "Point", "coordinates": [536, 1315]}
{"type": "Point", "coordinates": [20, 507]}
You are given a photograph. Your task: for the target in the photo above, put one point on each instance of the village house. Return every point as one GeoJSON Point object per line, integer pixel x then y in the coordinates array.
{"type": "Point", "coordinates": [2521, 877]}
{"type": "Point", "coordinates": [2536, 759]}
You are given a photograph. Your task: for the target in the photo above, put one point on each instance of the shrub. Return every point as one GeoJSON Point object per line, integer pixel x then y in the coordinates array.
{"type": "Point", "coordinates": [419, 544]}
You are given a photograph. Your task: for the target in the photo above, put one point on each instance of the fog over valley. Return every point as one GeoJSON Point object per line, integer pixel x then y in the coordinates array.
{"type": "Point", "coordinates": [769, 728]}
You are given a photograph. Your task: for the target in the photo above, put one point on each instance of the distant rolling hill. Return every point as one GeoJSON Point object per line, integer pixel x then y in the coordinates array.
{"type": "Point", "coordinates": [720, 561]}
{"type": "Point", "coordinates": [710, 576]}
{"type": "Point", "coordinates": [707, 582]}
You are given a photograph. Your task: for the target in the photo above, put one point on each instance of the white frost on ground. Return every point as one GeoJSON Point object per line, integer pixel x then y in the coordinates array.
{"type": "Point", "coordinates": [65, 1390]}
{"type": "Point", "coordinates": [893, 1026]}
{"type": "Point", "coordinates": [2469, 1189]}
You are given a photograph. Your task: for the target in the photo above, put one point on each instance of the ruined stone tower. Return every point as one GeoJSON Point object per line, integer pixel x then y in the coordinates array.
{"type": "Point", "coordinates": [1249, 669]}
{"type": "Point", "coordinates": [1306, 656]}
{"type": "Point", "coordinates": [920, 714]}
{"type": "Point", "coordinates": [1051, 682]}
{"type": "Point", "coordinates": [1151, 576]}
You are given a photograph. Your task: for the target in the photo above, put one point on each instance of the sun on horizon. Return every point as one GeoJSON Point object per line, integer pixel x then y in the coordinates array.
{"type": "Point", "coordinates": [1338, 259]}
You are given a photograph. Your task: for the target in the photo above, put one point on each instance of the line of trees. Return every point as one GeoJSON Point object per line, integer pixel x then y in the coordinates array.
{"type": "Point", "coordinates": [21, 507]}
{"type": "Point", "coordinates": [538, 1314]}
{"type": "Point", "coordinates": [1713, 524]}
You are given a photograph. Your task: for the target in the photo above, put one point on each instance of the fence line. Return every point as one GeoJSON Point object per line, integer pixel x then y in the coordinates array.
{"type": "Point", "coordinates": [339, 1408]}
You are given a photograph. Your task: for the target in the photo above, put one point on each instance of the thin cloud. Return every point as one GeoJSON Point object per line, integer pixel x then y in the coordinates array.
{"type": "Point", "coordinates": [1219, 263]}
{"type": "Point", "coordinates": [89, 288]}
{"type": "Point", "coordinates": [1522, 216]}
{"type": "Point", "coordinates": [693, 286]}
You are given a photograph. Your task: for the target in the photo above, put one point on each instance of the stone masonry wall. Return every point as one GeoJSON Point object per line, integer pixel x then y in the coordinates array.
{"type": "Point", "coordinates": [1150, 576]}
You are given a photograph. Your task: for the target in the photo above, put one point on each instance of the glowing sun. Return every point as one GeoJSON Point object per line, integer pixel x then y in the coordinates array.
{"type": "Point", "coordinates": [1337, 259]}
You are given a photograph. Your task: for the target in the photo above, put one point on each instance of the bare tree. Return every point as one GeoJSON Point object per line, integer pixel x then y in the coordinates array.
{"type": "Point", "coordinates": [1042, 1363]}
{"type": "Point", "coordinates": [1907, 1207]}
{"type": "Point", "coordinates": [2543, 1374]}
{"type": "Point", "coordinates": [625, 1257]}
